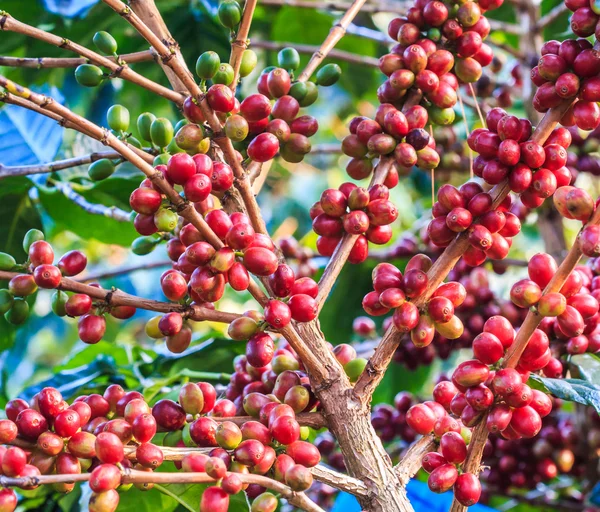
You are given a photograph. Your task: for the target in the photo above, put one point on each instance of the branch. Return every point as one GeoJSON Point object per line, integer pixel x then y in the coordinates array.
{"type": "Point", "coordinates": [150, 16]}
{"type": "Point", "coordinates": [339, 480]}
{"type": "Point", "coordinates": [70, 62]}
{"type": "Point", "coordinates": [170, 58]}
{"type": "Point", "coordinates": [342, 251]}
{"type": "Point", "coordinates": [11, 99]}
{"type": "Point", "coordinates": [411, 461]}
{"type": "Point", "coordinates": [132, 476]}
{"type": "Point", "coordinates": [239, 45]}
{"type": "Point", "coordinates": [95, 209]}
{"type": "Point", "coordinates": [503, 26]}
{"type": "Point", "coordinates": [309, 49]}
{"type": "Point", "coordinates": [107, 274]}
{"type": "Point", "coordinates": [335, 34]}
{"type": "Point", "coordinates": [377, 365]}
{"type": "Point", "coordinates": [118, 69]}
{"type": "Point", "coordinates": [116, 297]}
{"type": "Point", "coordinates": [59, 165]}
{"type": "Point", "coordinates": [551, 16]}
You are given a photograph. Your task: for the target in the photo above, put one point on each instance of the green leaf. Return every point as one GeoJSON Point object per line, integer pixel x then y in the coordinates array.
{"type": "Point", "coordinates": [18, 213]}
{"type": "Point", "coordinates": [588, 366]}
{"type": "Point", "coordinates": [68, 216]}
{"type": "Point", "coordinates": [571, 390]}
{"type": "Point", "coordinates": [68, 382]}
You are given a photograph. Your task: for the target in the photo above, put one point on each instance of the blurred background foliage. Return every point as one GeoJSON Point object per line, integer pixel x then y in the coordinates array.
{"type": "Point", "coordinates": [46, 349]}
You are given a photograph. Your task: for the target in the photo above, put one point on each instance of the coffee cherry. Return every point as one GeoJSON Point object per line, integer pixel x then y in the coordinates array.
{"type": "Point", "coordinates": [91, 328]}
{"type": "Point", "coordinates": [442, 478]}
{"type": "Point", "coordinates": [421, 419]}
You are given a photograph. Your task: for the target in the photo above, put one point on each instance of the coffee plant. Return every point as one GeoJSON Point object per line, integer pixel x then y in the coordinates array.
{"type": "Point", "coordinates": [489, 107]}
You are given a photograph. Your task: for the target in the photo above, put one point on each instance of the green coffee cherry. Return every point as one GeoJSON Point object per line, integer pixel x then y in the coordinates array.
{"type": "Point", "coordinates": [118, 118]}
{"type": "Point", "coordinates": [236, 128]}
{"type": "Point", "coordinates": [165, 220]}
{"type": "Point", "coordinates": [434, 34]}
{"type": "Point", "coordinates": [180, 124]}
{"type": "Point", "coordinates": [354, 368]}
{"type": "Point", "coordinates": [328, 75]}
{"type": "Point", "coordinates": [33, 235]}
{"type": "Point", "coordinates": [7, 262]}
{"type": "Point", "coordinates": [101, 169]}
{"type": "Point", "coordinates": [144, 245]}
{"type": "Point", "coordinates": [173, 148]}
{"type": "Point", "coordinates": [134, 142]}
{"type": "Point", "coordinates": [312, 93]}
{"type": "Point", "coordinates": [224, 75]}
{"type": "Point", "coordinates": [162, 159]}
{"type": "Point", "coordinates": [59, 299]}
{"type": "Point", "coordinates": [289, 59]}
{"type": "Point", "coordinates": [144, 121]}
{"type": "Point", "coordinates": [6, 301]}
{"type": "Point", "coordinates": [207, 65]}
{"type": "Point", "coordinates": [105, 43]}
{"type": "Point", "coordinates": [161, 132]}
{"type": "Point", "coordinates": [186, 436]}
{"type": "Point", "coordinates": [299, 90]}
{"type": "Point", "coordinates": [230, 13]}
{"type": "Point", "coordinates": [18, 313]}
{"type": "Point", "coordinates": [89, 75]}
{"type": "Point", "coordinates": [441, 116]}
{"type": "Point", "coordinates": [249, 61]}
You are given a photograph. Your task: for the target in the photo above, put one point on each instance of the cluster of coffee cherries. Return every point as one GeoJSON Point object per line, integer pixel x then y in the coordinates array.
{"type": "Point", "coordinates": [585, 17]}
{"type": "Point", "coordinates": [455, 211]}
{"type": "Point", "coordinates": [568, 313]}
{"type": "Point", "coordinates": [555, 451]}
{"type": "Point", "coordinates": [105, 434]}
{"type": "Point", "coordinates": [438, 47]}
{"type": "Point", "coordinates": [401, 135]}
{"type": "Point", "coordinates": [513, 410]}
{"type": "Point", "coordinates": [354, 210]}
{"type": "Point", "coordinates": [506, 152]}
{"type": "Point", "coordinates": [261, 128]}
{"type": "Point", "coordinates": [393, 290]}
{"type": "Point", "coordinates": [39, 271]}
{"type": "Point", "coordinates": [569, 70]}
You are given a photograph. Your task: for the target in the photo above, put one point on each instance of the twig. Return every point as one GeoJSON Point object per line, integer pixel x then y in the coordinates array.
{"type": "Point", "coordinates": [59, 165]}
{"type": "Point", "coordinates": [70, 62]}
{"type": "Point", "coordinates": [339, 480]}
{"type": "Point", "coordinates": [108, 274]}
{"type": "Point", "coordinates": [118, 69]}
{"type": "Point", "coordinates": [151, 17]}
{"type": "Point", "coordinates": [171, 59]}
{"type": "Point", "coordinates": [377, 365]}
{"type": "Point", "coordinates": [503, 26]}
{"type": "Point", "coordinates": [309, 49]}
{"type": "Point", "coordinates": [116, 297]}
{"type": "Point", "coordinates": [95, 209]}
{"type": "Point", "coordinates": [335, 34]}
{"type": "Point", "coordinates": [411, 461]}
{"type": "Point", "coordinates": [551, 16]}
{"type": "Point", "coordinates": [529, 325]}
{"type": "Point", "coordinates": [132, 476]}
{"type": "Point", "coordinates": [239, 45]}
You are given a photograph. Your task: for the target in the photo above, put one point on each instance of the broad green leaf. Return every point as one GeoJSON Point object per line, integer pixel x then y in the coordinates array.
{"type": "Point", "coordinates": [588, 366]}
{"type": "Point", "coordinates": [18, 213]}
{"type": "Point", "coordinates": [68, 216]}
{"type": "Point", "coordinates": [572, 390]}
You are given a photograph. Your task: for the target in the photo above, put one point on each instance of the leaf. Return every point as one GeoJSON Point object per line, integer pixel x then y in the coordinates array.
{"type": "Point", "coordinates": [68, 216]}
{"type": "Point", "coordinates": [27, 137]}
{"type": "Point", "coordinates": [69, 8]}
{"type": "Point", "coordinates": [69, 381]}
{"type": "Point", "coordinates": [18, 213]}
{"type": "Point", "coordinates": [588, 366]}
{"type": "Point", "coordinates": [572, 390]}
